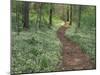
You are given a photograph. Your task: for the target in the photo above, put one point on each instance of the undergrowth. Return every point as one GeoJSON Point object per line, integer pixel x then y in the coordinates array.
{"type": "Point", "coordinates": [86, 38]}
{"type": "Point", "coordinates": [35, 52]}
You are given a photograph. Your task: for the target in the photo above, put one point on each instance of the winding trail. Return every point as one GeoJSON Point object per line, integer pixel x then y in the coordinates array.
{"type": "Point", "coordinates": [72, 56]}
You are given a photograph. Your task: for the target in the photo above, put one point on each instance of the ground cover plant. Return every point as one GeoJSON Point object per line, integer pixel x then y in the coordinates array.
{"type": "Point", "coordinates": [44, 39]}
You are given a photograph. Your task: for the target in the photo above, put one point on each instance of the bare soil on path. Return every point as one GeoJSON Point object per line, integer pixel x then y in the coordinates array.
{"type": "Point", "coordinates": [72, 56]}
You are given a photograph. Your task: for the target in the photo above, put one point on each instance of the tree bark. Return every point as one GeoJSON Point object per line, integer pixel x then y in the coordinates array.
{"type": "Point", "coordinates": [17, 18]}
{"type": "Point", "coordinates": [70, 15]}
{"type": "Point", "coordinates": [26, 15]}
{"type": "Point", "coordinates": [79, 17]}
{"type": "Point", "coordinates": [50, 15]}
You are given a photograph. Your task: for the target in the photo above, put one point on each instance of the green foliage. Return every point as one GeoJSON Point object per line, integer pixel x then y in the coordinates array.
{"type": "Point", "coordinates": [86, 34]}
{"type": "Point", "coordinates": [14, 23]}
{"type": "Point", "coordinates": [35, 52]}
{"type": "Point", "coordinates": [88, 18]}
{"type": "Point", "coordinates": [86, 41]}
{"type": "Point", "coordinates": [38, 49]}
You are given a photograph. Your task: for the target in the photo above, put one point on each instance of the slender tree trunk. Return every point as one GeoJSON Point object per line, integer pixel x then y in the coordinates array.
{"type": "Point", "coordinates": [79, 16]}
{"type": "Point", "coordinates": [50, 15]}
{"type": "Point", "coordinates": [70, 15]}
{"type": "Point", "coordinates": [40, 15]}
{"type": "Point", "coordinates": [26, 15]}
{"type": "Point", "coordinates": [40, 18]}
{"type": "Point", "coordinates": [17, 18]}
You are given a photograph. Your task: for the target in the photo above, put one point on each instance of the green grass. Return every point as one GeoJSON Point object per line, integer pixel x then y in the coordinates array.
{"type": "Point", "coordinates": [85, 38]}
{"type": "Point", "coordinates": [35, 52]}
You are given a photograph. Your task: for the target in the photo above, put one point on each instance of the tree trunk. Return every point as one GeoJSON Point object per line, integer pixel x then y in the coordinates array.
{"type": "Point", "coordinates": [70, 15]}
{"type": "Point", "coordinates": [79, 16]}
{"type": "Point", "coordinates": [50, 15]}
{"type": "Point", "coordinates": [17, 18]}
{"type": "Point", "coordinates": [26, 16]}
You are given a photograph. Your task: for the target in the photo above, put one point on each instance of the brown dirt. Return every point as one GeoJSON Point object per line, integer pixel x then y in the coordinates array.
{"type": "Point", "coordinates": [72, 56]}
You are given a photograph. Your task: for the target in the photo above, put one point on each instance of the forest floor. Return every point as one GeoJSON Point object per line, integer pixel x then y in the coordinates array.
{"type": "Point", "coordinates": [72, 56]}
